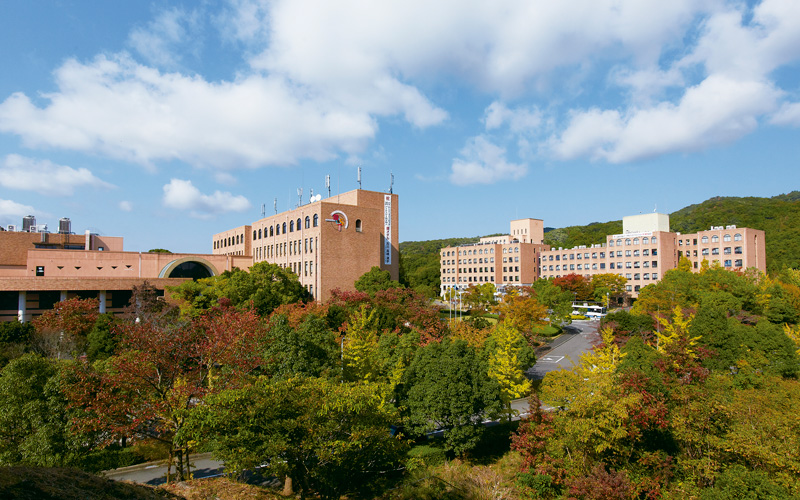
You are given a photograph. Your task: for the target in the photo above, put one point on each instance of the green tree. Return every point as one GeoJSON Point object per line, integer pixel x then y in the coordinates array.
{"type": "Point", "coordinates": [101, 341]}
{"type": "Point", "coordinates": [310, 349]}
{"type": "Point", "coordinates": [329, 438]}
{"type": "Point", "coordinates": [375, 280]}
{"type": "Point", "coordinates": [557, 301]}
{"type": "Point", "coordinates": [480, 296]}
{"type": "Point", "coordinates": [447, 387]}
{"type": "Point", "coordinates": [34, 422]}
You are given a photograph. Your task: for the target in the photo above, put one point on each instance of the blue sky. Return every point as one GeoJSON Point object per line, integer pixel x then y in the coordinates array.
{"type": "Point", "coordinates": [166, 122]}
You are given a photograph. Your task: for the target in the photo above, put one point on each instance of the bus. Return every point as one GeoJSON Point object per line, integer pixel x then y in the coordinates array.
{"type": "Point", "coordinates": [589, 310]}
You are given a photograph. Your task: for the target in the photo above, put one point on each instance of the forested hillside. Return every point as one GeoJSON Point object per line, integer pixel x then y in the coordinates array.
{"type": "Point", "coordinates": [778, 216]}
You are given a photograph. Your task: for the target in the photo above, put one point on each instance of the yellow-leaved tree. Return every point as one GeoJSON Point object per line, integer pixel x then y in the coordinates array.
{"type": "Point", "coordinates": [360, 345]}
{"type": "Point", "coordinates": [672, 331]}
{"type": "Point", "coordinates": [505, 365]}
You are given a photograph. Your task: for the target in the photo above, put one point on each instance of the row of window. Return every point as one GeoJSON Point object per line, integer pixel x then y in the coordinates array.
{"type": "Point", "coordinates": [278, 229]}
{"type": "Point", "coordinates": [634, 241]}
{"type": "Point", "coordinates": [479, 279]}
{"type": "Point", "coordinates": [628, 253]}
{"type": "Point", "coordinates": [293, 247]}
{"type": "Point", "coordinates": [229, 241]}
{"type": "Point", "coordinates": [714, 239]}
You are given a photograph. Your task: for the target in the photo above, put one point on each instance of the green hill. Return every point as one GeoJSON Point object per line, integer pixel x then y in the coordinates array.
{"type": "Point", "coordinates": [778, 216]}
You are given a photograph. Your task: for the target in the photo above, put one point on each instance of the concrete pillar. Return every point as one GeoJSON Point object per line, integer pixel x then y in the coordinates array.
{"type": "Point", "coordinates": [63, 295]}
{"type": "Point", "coordinates": [23, 297]}
{"type": "Point", "coordinates": [102, 296]}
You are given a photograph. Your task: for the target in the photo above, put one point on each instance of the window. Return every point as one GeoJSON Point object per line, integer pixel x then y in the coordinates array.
{"type": "Point", "coordinates": [270, 231]}
{"type": "Point", "coordinates": [619, 253]}
{"type": "Point", "coordinates": [358, 225]}
{"type": "Point", "coordinates": [298, 224]}
{"type": "Point", "coordinates": [291, 226]}
{"type": "Point", "coordinates": [645, 264]}
{"type": "Point", "coordinates": [316, 220]}
{"type": "Point", "coordinates": [628, 275]}
{"type": "Point", "coordinates": [611, 243]}
{"type": "Point", "coordinates": [715, 251]}
{"type": "Point", "coordinates": [602, 255]}
{"type": "Point", "coordinates": [611, 266]}
{"type": "Point", "coordinates": [39, 270]}
{"type": "Point", "coordinates": [653, 240]}
{"type": "Point", "coordinates": [636, 253]}
{"type": "Point", "coordinates": [727, 263]}
{"type": "Point", "coordinates": [704, 239]}
{"type": "Point", "coordinates": [636, 276]}
{"type": "Point", "coordinates": [737, 237]}
{"type": "Point", "coordinates": [737, 250]}
{"type": "Point", "coordinates": [308, 222]}
{"type": "Point", "coordinates": [254, 234]}
{"type": "Point", "coordinates": [627, 241]}
{"type": "Point", "coordinates": [636, 241]}
{"type": "Point", "coordinates": [654, 276]}
{"type": "Point", "coordinates": [646, 276]}
{"type": "Point", "coordinates": [655, 252]}
{"type": "Point", "coordinates": [727, 250]}
{"type": "Point", "coordinates": [646, 252]}
{"type": "Point", "coordinates": [627, 253]}
{"type": "Point", "coordinates": [619, 242]}
{"type": "Point", "coordinates": [627, 265]}
{"type": "Point", "coordinates": [738, 262]}
{"type": "Point", "coordinates": [715, 239]}
{"type": "Point", "coordinates": [284, 228]}
{"type": "Point", "coordinates": [627, 288]}
{"type": "Point", "coordinates": [645, 240]}
{"type": "Point", "coordinates": [727, 237]}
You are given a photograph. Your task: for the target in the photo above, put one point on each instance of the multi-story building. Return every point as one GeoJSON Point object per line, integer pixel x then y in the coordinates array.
{"type": "Point", "coordinates": [39, 269]}
{"type": "Point", "coordinates": [328, 243]}
{"type": "Point", "coordinates": [647, 249]}
{"type": "Point", "coordinates": [511, 259]}
{"type": "Point", "coordinates": [642, 253]}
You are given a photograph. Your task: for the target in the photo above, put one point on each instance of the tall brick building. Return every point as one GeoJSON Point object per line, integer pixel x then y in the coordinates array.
{"type": "Point", "coordinates": [328, 243]}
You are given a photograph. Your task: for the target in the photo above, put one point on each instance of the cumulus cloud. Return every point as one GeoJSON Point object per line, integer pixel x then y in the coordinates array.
{"type": "Point", "coordinates": [11, 211]}
{"type": "Point", "coordinates": [789, 114]}
{"type": "Point", "coordinates": [519, 120]}
{"type": "Point", "coordinates": [483, 162]}
{"type": "Point", "coordinates": [183, 195]}
{"type": "Point", "coordinates": [45, 177]}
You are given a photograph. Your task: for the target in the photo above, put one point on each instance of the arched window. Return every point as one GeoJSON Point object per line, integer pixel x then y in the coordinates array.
{"type": "Point", "coordinates": [715, 239]}
{"type": "Point", "coordinates": [737, 237]}
{"type": "Point", "coordinates": [283, 229]}
{"type": "Point", "coordinates": [298, 224]}
{"type": "Point", "coordinates": [316, 220]}
{"type": "Point", "coordinates": [611, 243]}
{"type": "Point", "coordinates": [704, 239]}
{"type": "Point", "coordinates": [627, 241]}
{"type": "Point", "coordinates": [636, 241]}
{"type": "Point", "coordinates": [291, 226]}
{"type": "Point", "coordinates": [645, 240]}
{"type": "Point", "coordinates": [727, 237]}
{"type": "Point", "coordinates": [653, 240]}
{"type": "Point", "coordinates": [308, 222]}
{"type": "Point", "coordinates": [619, 242]}
{"type": "Point", "coordinates": [271, 231]}
{"type": "Point", "coordinates": [358, 225]}
{"type": "Point", "coordinates": [259, 234]}
{"type": "Point", "coordinates": [254, 234]}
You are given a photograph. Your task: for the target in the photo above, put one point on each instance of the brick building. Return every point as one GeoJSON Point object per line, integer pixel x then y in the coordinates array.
{"type": "Point", "coordinates": [328, 243]}
{"type": "Point", "coordinates": [39, 269]}
{"type": "Point", "coordinates": [642, 253]}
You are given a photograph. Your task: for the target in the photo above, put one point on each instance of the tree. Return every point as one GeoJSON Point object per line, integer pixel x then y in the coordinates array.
{"type": "Point", "coordinates": [480, 296]}
{"type": "Point", "coordinates": [101, 342]}
{"type": "Point", "coordinates": [375, 280]}
{"type": "Point", "coordinates": [557, 301]}
{"type": "Point", "coordinates": [62, 331]}
{"type": "Point", "coordinates": [607, 286]}
{"type": "Point", "coordinates": [329, 438]}
{"type": "Point", "coordinates": [521, 310]}
{"type": "Point", "coordinates": [360, 346]}
{"type": "Point", "coordinates": [310, 349]}
{"type": "Point", "coordinates": [158, 250]}
{"type": "Point", "coordinates": [581, 287]}
{"type": "Point", "coordinates": [34, 422]}
{"type": "Point", "coordinates": [447, 387]}
{"type": "Point", "coordinates": [507, 364]}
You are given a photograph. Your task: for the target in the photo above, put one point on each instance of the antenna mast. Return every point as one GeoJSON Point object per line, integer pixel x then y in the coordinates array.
{"type": "Point", "coordinates": [299, 196]}
{"type": "Point", "coordinates": [328, 184]}
{"type": "Point", "coordinates": [263, 210]}
{"type": "Point", "coordinates": [391, 182]}
{"type": "Point", "coordinates": [359, 177]}
{"type": "Point", "coordinates": [275, 204]}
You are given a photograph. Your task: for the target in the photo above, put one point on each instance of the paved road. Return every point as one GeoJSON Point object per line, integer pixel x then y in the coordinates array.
{"type": "Point", "coordinates": [565, 351]}
{"type": "Point", "coordinates": [155, 473]}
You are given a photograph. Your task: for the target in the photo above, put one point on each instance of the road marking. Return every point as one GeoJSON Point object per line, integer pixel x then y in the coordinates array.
{"type": "Point", "coordinates": [151, 466]}
{"type": "Point", "coordinates": [551, 359]}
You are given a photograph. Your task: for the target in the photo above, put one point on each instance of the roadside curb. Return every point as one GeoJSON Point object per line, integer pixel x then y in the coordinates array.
{"type": "Point", "coordinates": [148, 465]}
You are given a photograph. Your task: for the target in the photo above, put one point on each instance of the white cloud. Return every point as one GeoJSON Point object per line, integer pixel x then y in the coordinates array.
{"type": "Point", "coordinates": [789, 114]}
{"type": "Point", "coordinates": [164, 38]}
{"type": "Point", "coordinates": [126, 206]}
{"type": "Point", "coordinates": [45, 177]}
{"type": "Point", "coordinates": [11, 211]}
{"type": "Point", "coordinates": [717, 111]}
{"type": "Point", "coordinates": [483, 162]}
{"type": "Point", "coordinates": [519, 120]}
{"type": "Point", "coordinates": [122, 109]}
{"type": "Point", "coordinates": [183, 195]}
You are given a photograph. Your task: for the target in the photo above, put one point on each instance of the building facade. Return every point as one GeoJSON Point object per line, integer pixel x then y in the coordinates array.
{"type": "Point", "coordinates": [511, 259]}
{"type": "Point", "coordinates": [642, 253]}
{"type": "Point", "coordinates": [39, 269]}
{"type": "Point", "coordinates": [328, 243]}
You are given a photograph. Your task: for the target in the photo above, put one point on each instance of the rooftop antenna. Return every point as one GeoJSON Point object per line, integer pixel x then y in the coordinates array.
{"type": "Point", "coordinates": [299, 196]}
{"type": "Point", "coordinates": [359, 177]}
{"type": "Point", "coordinates": [391, 182]}
{"type": "Point", "coordinates": [275, 204]}
{"type": "Point", "coordinates": [328, 184]}
{"type": "Point", "coordinates": [263, 210]}
{"type": "Point", "coordinates": [655, 208]}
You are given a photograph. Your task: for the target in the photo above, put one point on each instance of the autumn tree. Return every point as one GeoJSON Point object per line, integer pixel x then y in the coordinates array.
{"type": "Point", "coordinates": [521, 310]}
{"type": "Point", "coordinates": [581, 287]}
{"type": "Point", "coordinates": [375, 280]}
{"type": "Point", "coordinates": [557, 302]}
{"type": "Point", "coordinates": [607, 286]}
{"type": "Point", "coordinates": [480, 296]}
{"type": "Point", "coordinates": [509, 357]}
{"type": "Point", "coordinates": [62, 331]}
